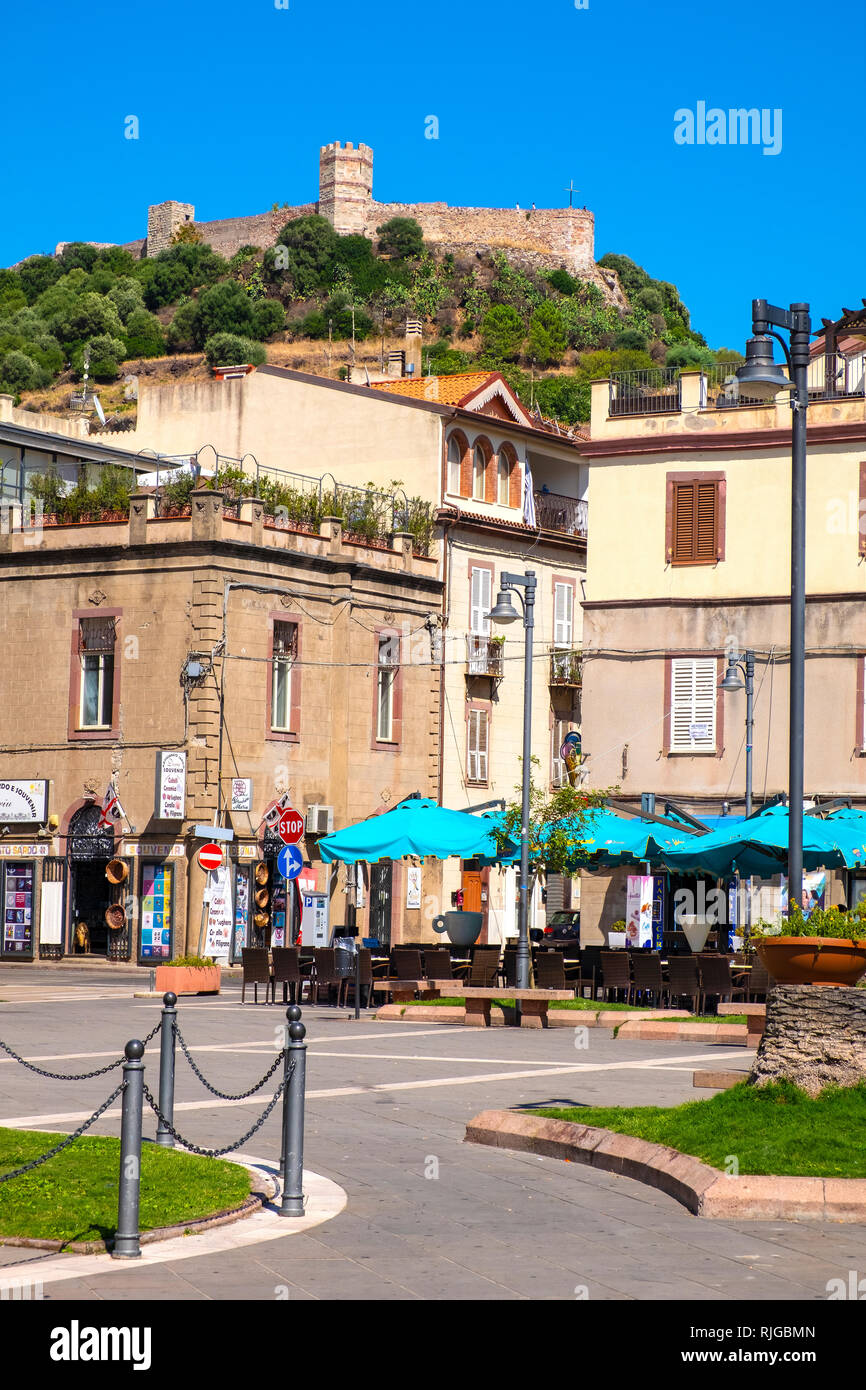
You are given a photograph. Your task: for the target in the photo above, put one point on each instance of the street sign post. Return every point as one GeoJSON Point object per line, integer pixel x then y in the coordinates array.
{"type": "Point", "coordinates": [211, 857]}
{"type": "Point", "coordinates": [290, 826]}
{"type": "Point", "coordinates": [290, 861]}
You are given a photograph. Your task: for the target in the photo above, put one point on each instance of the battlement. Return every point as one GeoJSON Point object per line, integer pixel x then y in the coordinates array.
{"type": "Point", "coordinates": [346, 186]}
{"type": "Point", "coordinates": [163, 221]}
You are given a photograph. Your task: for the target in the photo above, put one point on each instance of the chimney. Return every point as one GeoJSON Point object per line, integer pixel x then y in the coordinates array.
{"type": "Point", "coordinates": [413, 347]}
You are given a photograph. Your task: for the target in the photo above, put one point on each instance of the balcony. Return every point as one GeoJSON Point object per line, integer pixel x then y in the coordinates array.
{"type": "Point", "coordinates": [483, 655]}
{"type": "Point", "coordinates": [655, 391]}
{"type": "Point", "coordinates": [553, 512]}
{"type": "Point", "coordinates": [566, 667]}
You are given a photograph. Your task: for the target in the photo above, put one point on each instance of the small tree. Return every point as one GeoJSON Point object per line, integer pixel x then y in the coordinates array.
{"type": "Point", "coordinates": [502, 333]}
{"type": "Point", "coordinates": [547, 336]}
{"type": "Point", "coordinates": [224, 308]}
{"type": "Point", "coordinates": [144, 335]}
{"type": "Point", "coordinates": [106, 355]}
{"type": "Point", "coordinates": [229, 350]}
{"type": "Point", "coordinates": [186, 235]}
{"type": "Point", "coordinates": [558, 826]}
{"type": "Point", "coordinates": [269, 317]}
{"type": "Point", "coordinates": [400, 237]}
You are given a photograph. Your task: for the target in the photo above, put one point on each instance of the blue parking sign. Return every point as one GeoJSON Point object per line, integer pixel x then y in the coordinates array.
{"type": "Point", "coordinates": [290, 861]}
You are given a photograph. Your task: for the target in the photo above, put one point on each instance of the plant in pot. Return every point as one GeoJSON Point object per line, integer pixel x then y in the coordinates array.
{"type": "Point", "coordinates": [188, 975]}
{"type": "Point", "coordinates": [826, 948]}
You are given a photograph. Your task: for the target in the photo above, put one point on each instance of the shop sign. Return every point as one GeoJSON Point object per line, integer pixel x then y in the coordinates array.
{"type": "Point", "coordinates": [23, 801]}
{"type": "Point", "coordinates": [24, 851]}
{"type": "Point", "coordinates": [244, 851]}
{"type": "Point", "coordinates": [242, 794]}
{"type": "Point", "coordinates": [170, 786]}
{"type": "Point", "coordinates": [220, 915]}
{"type": "Point", "coordinates": [413, 887]}
{"type": "Point", "coordinates": [149, 851]}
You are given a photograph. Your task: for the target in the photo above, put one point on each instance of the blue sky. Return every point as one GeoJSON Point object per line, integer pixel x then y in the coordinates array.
{"type": "Point", "coordinates": [234, 100]}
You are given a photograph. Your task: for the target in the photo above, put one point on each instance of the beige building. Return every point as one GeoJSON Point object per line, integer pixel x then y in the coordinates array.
{"type": "Point", "coordinates": [203, 663]}
{"type": "Point", "coordinates": [689, 561]}
{"type": "Point", "coordinates": [468, 447]}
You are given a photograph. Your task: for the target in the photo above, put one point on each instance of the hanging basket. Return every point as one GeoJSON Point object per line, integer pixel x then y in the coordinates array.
{"type": "Point", "coordinates": [116, 871]}
{"type": "Point", "coordinates": [262, 874]}
{"type": "Point", "coordinates": [263, 897]}
{"type": "Point", "coordinates": [115, 917]}
{"type": "Point", "coordinates": [261, 920]}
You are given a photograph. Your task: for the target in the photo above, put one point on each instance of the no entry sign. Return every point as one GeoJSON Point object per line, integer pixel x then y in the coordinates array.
{"type": "Point", "coordinates": [210, 857]}
{"type": "Point", "coordinates": [290, 826]}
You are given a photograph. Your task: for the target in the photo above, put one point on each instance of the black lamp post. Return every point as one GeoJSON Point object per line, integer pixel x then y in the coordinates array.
{"type": "Point", "coordinates": [504, 612]}
{"type": "Point", "coordinates": [761, 378]}
{"type": "Point", "coordinates": [732, 683]}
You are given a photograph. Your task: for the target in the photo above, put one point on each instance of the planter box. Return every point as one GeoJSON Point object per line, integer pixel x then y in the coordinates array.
{"type": "Point", "coordinates": [188, 979]}
{"type": "Point", "coordinates": [813, 960]}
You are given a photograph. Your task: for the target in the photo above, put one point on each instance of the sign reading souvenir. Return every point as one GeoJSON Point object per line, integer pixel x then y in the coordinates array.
{"type": "Point", "coordinates": [170, 786]}
{"type": "Point", "coordinates": [290, 861]}
{"type": "Point", "coordinates": [18, 910]}
{"type": "Point", "coordinates": [290, 826]}
{"type": "Point", "coordinates": [23, 801]}
{"type": "Point", "coordinates": [220, 917]}
{"type": "Point", "coordinates": [210, 857]}
{"type": "Point", "coordinates": [156, 911]}
{"type": "Point", "coordinates": [242, 794]}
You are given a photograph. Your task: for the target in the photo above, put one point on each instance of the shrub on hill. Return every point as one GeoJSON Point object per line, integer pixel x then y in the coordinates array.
{"type": "Point", "coordinates": [229, 350]}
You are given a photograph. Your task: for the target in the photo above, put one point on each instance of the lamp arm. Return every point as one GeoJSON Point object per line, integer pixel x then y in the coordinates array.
{"type": "Point", "coordinates": [771, 333]}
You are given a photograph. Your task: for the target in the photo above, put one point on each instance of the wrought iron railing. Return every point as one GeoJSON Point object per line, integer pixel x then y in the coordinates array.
{"type": "Point", "coordinates": [720, 389]}
{"type": "Point", "coordinates": [483, 655]}
{"type": "Point", "coordinates": [553, 512]}
{"type": "Point", "coordinates": [650, 392]}
{"type": "Point", "coordinates": [834, 377]}
{"type": "Point", "coordinates": [566, 666]}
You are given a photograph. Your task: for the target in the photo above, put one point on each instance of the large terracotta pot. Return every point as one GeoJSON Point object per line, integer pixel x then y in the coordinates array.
{"type": "Point", "coordinates": [813, 960]}
{"type": "Point", "coordinates": [188, 979]}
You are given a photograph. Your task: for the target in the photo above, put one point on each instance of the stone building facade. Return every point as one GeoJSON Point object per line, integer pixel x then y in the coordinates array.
{"type": "Point", "coordinates": [100, 621]}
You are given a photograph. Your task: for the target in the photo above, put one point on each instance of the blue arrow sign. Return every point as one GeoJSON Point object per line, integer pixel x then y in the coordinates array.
{"type": "Point", "coordinates": [290, 861]}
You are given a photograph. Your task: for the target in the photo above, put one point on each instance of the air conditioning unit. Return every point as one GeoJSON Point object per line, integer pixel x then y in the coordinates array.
{"type": "Point", "coordinates": [320, 820]}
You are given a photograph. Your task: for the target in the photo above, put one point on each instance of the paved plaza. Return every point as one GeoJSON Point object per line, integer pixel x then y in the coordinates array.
{"type": "Point", "coordinates": [426, 1216]}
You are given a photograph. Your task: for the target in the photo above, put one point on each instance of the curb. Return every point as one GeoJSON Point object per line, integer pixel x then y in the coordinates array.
{"type": "Point", "coordinates": [557, 1018]}
{"type": "Point", "coordinates": [727, 1033]}
{"type": "Point", "coordinates": [261, 1192]}
{"type": "Point", "coordinates": [703, 1190]}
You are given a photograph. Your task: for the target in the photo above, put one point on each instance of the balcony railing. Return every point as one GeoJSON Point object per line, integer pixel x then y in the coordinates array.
{"type": "Point", "coordinates": [720, 389]}
{"type": "Point", "coordinates": [483, 655]}
{"type": "Point", "coordinates": [553, 512]}
{"type": "Point", "coordinates": [651, 392]}
{"type": "Point", "coordinates": [566, 667]}
{"type": "Point", "coordinates": [834, 377]}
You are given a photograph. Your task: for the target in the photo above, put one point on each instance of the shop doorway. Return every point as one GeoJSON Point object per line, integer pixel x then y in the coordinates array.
{"type": "Point", "coordinates": [88, 850]}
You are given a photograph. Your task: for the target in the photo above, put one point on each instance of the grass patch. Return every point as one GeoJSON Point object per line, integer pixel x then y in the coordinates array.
{"type": "Point", "coordinates": [73, 1197]}
{"type": "Point", "coordinates": [699, 1018]}
{"type": "Point", "coordinates": [775, 1129]}
{"type": "Point", "coordinates": [592, 1004]}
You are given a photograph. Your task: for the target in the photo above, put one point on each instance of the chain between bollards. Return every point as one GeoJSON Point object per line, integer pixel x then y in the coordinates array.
{"type": "Point", "coordinates": [166, 1071]}
{"type": "Point", "coordinates": [292, 1160]}
{"type": "Point", "coordinates": [126, 1241]}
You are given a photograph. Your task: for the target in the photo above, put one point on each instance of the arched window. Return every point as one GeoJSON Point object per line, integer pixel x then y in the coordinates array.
{"type": "Point", "coordinates": [455, 455]}
{"type": "Point", "coordinates": [505, 477]}
{"type": "Point", "coordinates": [479, 466]}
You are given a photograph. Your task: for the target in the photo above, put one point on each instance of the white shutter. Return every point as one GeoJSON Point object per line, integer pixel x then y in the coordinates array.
{"type": "Point", "coordinates": [558, 774]}
{"type": "Point", "coordinates": [693, 705]}
{"type": "Point", "coordinates": [563, 615]}
{"type": "Point", "coordinates": [479, 603]}
{"type": "Point", "coordinates": [476, 757]}
{"type": "Point", "coordinates": [863, 711]}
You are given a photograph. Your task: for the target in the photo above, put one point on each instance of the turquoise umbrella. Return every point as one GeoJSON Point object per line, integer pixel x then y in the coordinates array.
{"type": "Point", "coordinates": [759, 846]}
{"type": "Point", "coordinates": [417, 827]}
{"type": "Point", "coordinates": [603, 839]}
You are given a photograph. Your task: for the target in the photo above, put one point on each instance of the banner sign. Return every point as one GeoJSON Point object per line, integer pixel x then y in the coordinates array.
{"type": "Point", "coordinates": [242, 794]}
{"type": "Point", "coordinates": [639, 910]}
{"type": "Point", "coordinates": [413, 887]}
{"type": "Point", "coordinates": [23, 801]}
{"type": "Point", "coordinates": [218, 940]}
{"type": "Point", "coordinates": [170, 786]}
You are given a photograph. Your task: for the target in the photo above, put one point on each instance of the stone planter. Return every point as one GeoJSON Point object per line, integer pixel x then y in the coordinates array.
{"type": "Point", "coordinates": [188, 979]}
{"type": "Point", "coordinates": [813, 960]}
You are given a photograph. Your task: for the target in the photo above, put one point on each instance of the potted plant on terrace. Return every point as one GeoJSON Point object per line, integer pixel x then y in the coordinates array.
{"type": "Point", "coordinates": [826, 948]}
{"type": "Point", "coordinates": [188, 975]}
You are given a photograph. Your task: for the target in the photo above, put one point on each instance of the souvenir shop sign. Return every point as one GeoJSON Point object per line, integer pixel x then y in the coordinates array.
{"type": "Point", "coordinates": [24, 851]}
{"type": "Point", "coordinates": [153, 851]}
{"type": "Point", "coordinates": [170, 786]}
{"type": "Point", "coordinates": [23, 801]}
{"type": "Point", "coordinates": [242, 794]}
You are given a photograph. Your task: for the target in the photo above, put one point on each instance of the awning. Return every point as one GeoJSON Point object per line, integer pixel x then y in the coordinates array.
{"type": "Point", "coordinates": [417, 827]}
{"type": "Point", "coordinates": [759, 846]}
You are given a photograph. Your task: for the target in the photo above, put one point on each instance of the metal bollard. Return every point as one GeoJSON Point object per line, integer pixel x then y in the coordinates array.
{"type": "Point", "coordinates": [293, 1117]}
{"type": "Point", "coordinates": [166, 1069]}
{"type": "Point", "coordinates": [126, 1242]}
{"type": "Point", "coordinates": [357, 983]}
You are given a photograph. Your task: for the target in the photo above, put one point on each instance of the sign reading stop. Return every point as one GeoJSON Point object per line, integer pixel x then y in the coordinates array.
{"type": "Point", "coordinates": [210, 857]}
{"type": "Point", "coordinates": [290, 826]}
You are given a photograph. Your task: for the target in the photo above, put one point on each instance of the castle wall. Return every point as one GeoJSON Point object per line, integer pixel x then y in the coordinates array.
{"type": "Point", "coordinates": [565, 234]}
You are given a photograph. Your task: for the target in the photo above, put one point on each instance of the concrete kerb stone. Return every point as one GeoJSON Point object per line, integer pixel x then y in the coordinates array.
{"type": "Point", "coordinates": [702, 1189]}
{"type": "Point", "coordinates": [557, 1018]}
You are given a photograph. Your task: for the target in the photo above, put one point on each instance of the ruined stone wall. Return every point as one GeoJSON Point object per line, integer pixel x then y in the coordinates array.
{"type": "Point", "coordinates": [565, 235]}
{"type": "Point", "coordinates": [163, 220]}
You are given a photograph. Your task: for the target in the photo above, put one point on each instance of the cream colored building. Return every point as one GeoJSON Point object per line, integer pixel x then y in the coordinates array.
{"type": "Point", "coordinates": [688, 561]}
{"type": "Point", "coordinates": [469, 447]}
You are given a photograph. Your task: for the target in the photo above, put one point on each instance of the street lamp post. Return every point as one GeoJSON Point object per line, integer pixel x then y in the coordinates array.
{"type": "Point", "coordinates": [762, 378]}
{"type": "Point", "coordinates": [732, 682]}
{"type": "Point", "coordinates": [524, 585]}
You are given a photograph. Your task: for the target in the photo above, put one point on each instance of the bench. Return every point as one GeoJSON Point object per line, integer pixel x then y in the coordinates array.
{"type": "Point", "coordinates": [534, 1003]}
{"type": "Point", "coordinates": [404, 991]}
{"type": "Point", "coordinates": [756, 1019]}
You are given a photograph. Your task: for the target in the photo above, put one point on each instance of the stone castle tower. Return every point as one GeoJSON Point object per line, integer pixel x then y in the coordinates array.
{"type": "Point", "coordinates": [163, 220]}
{"type": "Point", "coordinates": [346, 186]}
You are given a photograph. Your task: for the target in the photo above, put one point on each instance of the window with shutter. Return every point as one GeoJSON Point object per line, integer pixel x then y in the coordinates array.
{"type": "Point", "coordinates": [558, 770]}
{"type": "Point", "coordinates": [476, 753]}
{"type": "Point", "coordinates": [480, 602]}
{"type": "Point", "coordinates": [563, 614]}
{"type": "Point", "coordinates": [693, 705]}
{"type": "Point", "coordinates": [455, 457]}
{"type": "Point", "coordinates": [479, 468]}
{"type": "Point", "coordinates": [695, 521]}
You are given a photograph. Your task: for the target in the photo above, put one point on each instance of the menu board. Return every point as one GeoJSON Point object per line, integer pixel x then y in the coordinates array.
{"type": "Point", "coordinates": [18, 910]}
{"type": "Point", "coordinates": [156, 911]}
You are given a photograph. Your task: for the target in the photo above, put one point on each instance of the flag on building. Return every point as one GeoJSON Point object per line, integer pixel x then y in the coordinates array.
{"type": "Point", "coordinates": [273, 815]}
{"type": "Point", "coordinates": [529, 498]}
{"type": "Point", "coordinates": [112, 813]}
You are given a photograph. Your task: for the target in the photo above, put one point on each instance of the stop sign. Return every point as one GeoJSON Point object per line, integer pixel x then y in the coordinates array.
{"type": "Point", "coordinates": [290, 826]}
{"type": "Point", "coordinates": [210, 857]}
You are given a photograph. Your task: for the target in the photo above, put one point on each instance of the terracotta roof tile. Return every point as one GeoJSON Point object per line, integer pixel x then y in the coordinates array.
{"type": "Point", "coordinates": [444, 390]}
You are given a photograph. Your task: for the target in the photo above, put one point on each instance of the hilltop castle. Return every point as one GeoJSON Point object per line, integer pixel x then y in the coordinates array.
{"type": "Point", "coordinates": [540, 238]}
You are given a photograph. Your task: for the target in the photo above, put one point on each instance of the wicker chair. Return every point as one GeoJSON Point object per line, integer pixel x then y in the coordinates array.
{"type": "Point", "coordinates": [646, 969]}
{"type": "Point", "coordinates": [716, 978]}
{"type": "Point", "coordinates": [325, 976]}
{"type": "Point", "coordinates": [590, 970]}
{"type": "Point", "coordinates": [684, 981]}
{"type": "Point", "coordinates": [256, 972]}
{"type": "Point", "coordinates": [406, 963]}
{"type": "Point", "coordinates": [437, 963]}
{"type": "Point", "coordinates": [484, 970]}
{"type": "Point", "coordinates": [615, 974]}
{"type": "Point", "coordinates": [287, 971]}
{"type": "Point", "coordinates": [758, 981]}
{"type": "Point", "coordinates": [550, 970]}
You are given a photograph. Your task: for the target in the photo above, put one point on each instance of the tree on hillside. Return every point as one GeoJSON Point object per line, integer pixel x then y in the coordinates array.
{"type": "Point", "coordinates": [144, 335]}
{"type": "Point", "coordinates": [37, 273]}
{"type": "Point", "coordinates": [502, 333]}
{"type": "Point", "coordinates": [547, 340]}
{"type": "Point", "coordinates": [224, 308]}
{"type": "Point", "coordinates": [400, 237]}
{"type": "Point", "coordinates": [303, 258]}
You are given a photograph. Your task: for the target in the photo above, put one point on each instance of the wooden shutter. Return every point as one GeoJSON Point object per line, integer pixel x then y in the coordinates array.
{"type": "Point", "coordinates": [706, 513]}
{"type": "Point", "coordinates": [695, 522]}
{"type": "Point", "coordinates": [479, 602]}
{"type": "Point", "coordinates": [693, 705]}
{"type": "Point", "coordinates": [476, 759]}
{"type": "Point", "coordinates": [491, 479]}
{"type": "Point", "coordinates": [563, 615]}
